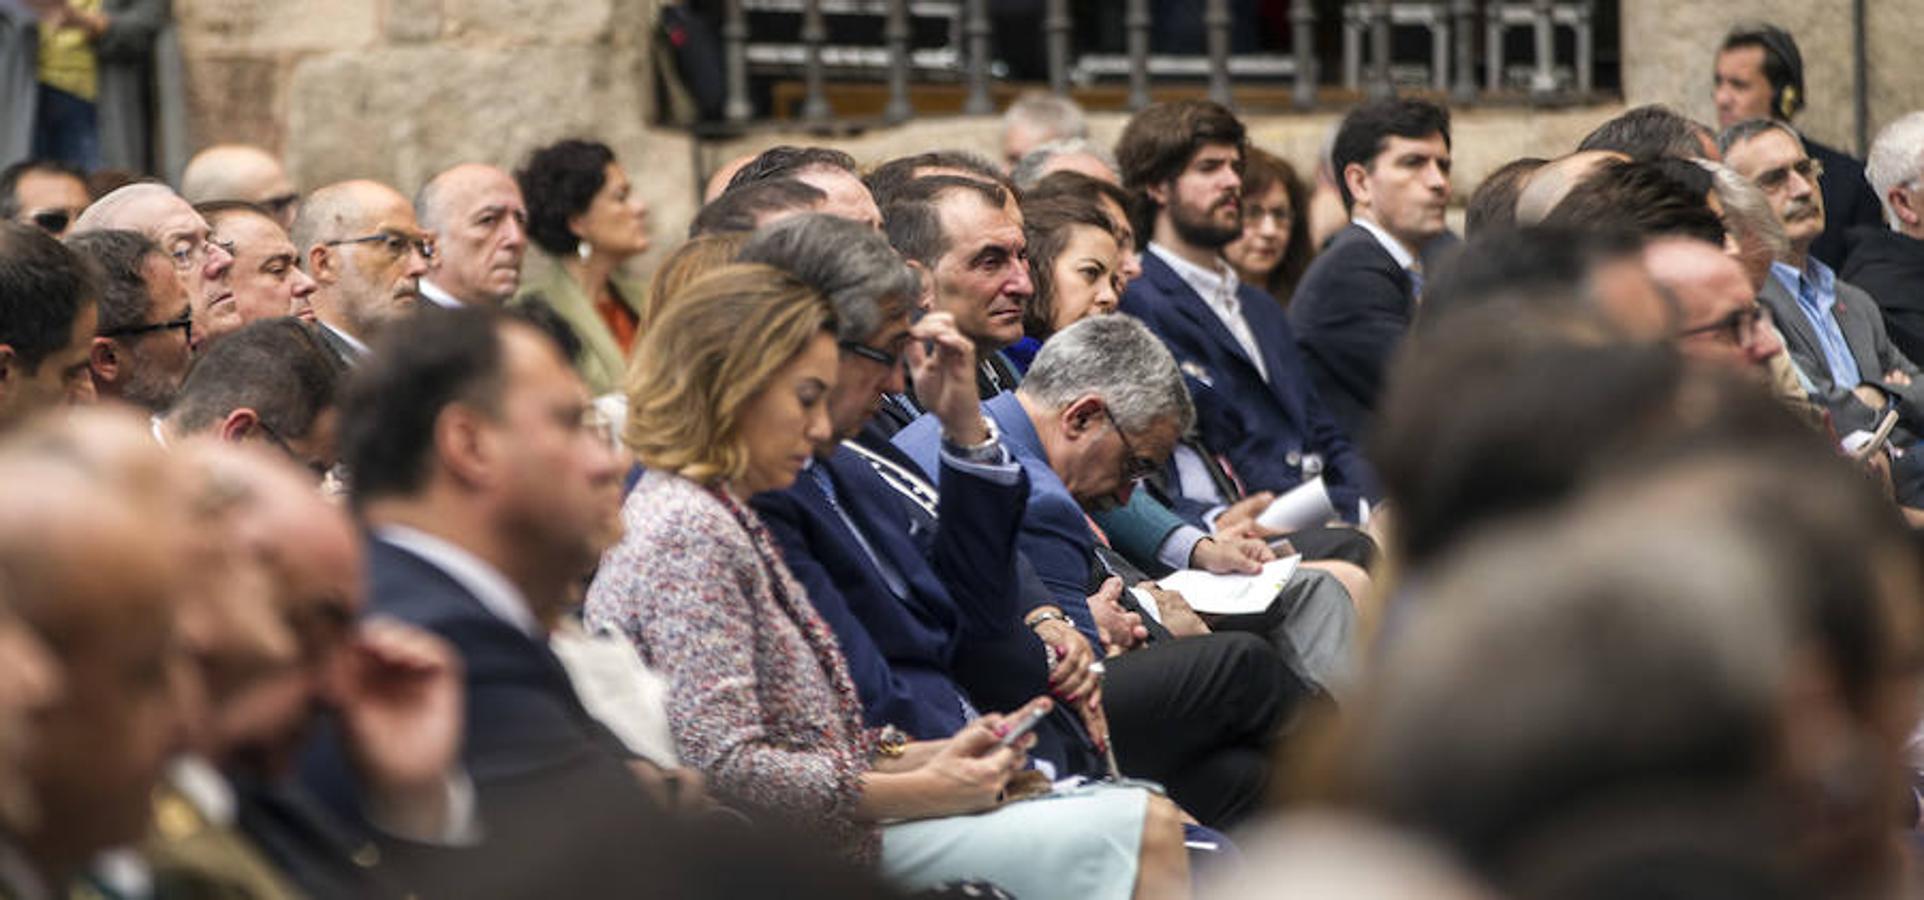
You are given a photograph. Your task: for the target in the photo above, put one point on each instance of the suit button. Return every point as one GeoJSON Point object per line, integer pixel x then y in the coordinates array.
{"type": "Point", "coordinates": [367, 856]}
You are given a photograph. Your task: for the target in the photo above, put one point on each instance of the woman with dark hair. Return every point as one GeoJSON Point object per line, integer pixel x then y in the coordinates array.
{"type": "Point", "coordinates": [582, 214]}
{"type": "Point", "coordinates": [1076, 263]}
{"type": "Point", "coordinates": [1275, 247]}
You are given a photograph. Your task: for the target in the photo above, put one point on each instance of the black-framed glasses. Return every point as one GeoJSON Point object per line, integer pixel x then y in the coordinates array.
{"type": "Point", "coordinates": [185, 322]}
{"type": "Point", "coordinates": [1807, 168]}
{"type": "Point", "coordinates": [1134, 467]}
{"type": "Point", "coordinates": [1738, 329]}
{"type": "Point", "coordinates": [394, 242]}
{"type": "Point", "coordinates": [873, 354]}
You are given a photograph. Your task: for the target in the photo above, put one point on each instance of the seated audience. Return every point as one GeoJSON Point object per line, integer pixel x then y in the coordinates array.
{"type": "Point", "coordinates": [1075, 263]}
{"type": "Point", "coordinates": [167, 220]}
{"type": "Point", "coordinates": [1063, 155]}
{"type": "Point", "coordinates": [749, 206]}
{"type": "Point", "coordinates": [830, 171]}
{"type": "Point", "coordinates": [1651, 132]}
{"type": "Point", "coordinates": [1115, 201]}
{"type": "Point", "coordinates": [1037, 118]}
{"type": "Point", "coordinates": [1492, 206]}
{"type": "Point", "coordinates": [760, 697]}
{"type": "Point", "coordinates": [274, 383]}
{"type": "Point", "coordinates": [585, 218]}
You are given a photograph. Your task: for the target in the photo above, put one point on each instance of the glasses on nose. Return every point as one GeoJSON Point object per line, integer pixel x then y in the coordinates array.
{"type": "Point", "coordinates": [1739, 329]}
{"type": "Point", "coordinates": [1254, 215]}
{"type": "Point", "coordinates": [185, 322]}
{"type": "Point", "coordinates": [872, 354]}
{"type": "Point", "coordinates": [393, 243]}
{"type": "Point", "coordinates": [1775, 179]}
{"type": "Point", "coordinates": [191, 253]}
{"type": "Point", "coordinates": [1134, 467]}
{"type": "Point", "coordinates": [316, 467]}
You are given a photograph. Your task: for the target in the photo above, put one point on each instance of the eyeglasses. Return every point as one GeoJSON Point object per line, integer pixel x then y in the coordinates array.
{"type": "Point", "coordinates": [872, 354]}
{"type": "Point", "coordinates": [320, 469]}
{"type": "Point", "coordinates": [1774, 179]}
{"type": "Point", "coordinates": [53, 221]}
{"type": "Point", "coordinates": [394, 242]}
{"type": "Point", "coordinates": [1739, 329]}
{"type": "Point", "coordinates": [1134, 468]}
{"type": "Point", "coordinates": [185, 323]}
{"type": "Point", "coordinates": [1254, 215]}
{"type": "Point", "coordinates": [191, 253]}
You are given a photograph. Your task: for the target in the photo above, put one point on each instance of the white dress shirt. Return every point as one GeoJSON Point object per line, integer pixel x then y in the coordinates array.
{"type": "Point", "coordinates": [439, 297]}
{"type": "Point", "coordinates": [1217, 287]}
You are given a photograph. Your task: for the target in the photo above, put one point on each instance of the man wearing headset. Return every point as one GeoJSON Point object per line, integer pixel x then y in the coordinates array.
{"type": "Point", "coordinates": [1760, 75]}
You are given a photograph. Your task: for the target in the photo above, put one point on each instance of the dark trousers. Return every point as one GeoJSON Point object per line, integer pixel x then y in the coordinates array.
{"type": "Point", "coordinates": [65, 129]}
{"type": "Point", "coordinates": [1199, 715]}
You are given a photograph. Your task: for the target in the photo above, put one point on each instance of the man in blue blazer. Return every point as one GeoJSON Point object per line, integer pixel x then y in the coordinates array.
{"type": "Point", "coordinates": [1254, 400]}
{"type": "Point", "coordinates": [1355, 303]}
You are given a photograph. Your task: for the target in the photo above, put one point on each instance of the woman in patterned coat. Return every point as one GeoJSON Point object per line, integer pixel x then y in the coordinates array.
{"type": "Point", "coordinates": [727, 399]}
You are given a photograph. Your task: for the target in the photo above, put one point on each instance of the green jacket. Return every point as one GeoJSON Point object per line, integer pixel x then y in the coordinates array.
{"type": "Point", "coordinates": [601, 363]}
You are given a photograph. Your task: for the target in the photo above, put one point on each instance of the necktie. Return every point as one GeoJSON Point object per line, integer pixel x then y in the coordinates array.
{"type": "Point", "coordinates": [1416, 280]}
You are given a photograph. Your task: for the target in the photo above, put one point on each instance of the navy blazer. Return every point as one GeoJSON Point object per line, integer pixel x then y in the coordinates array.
{"type": "Point", "coordinates": [1055, 535]}
{"type": "Point", "coordinates": [1262, 425]}
{"type": "Point", "coordinates": [1351, 312]}
{"type": "Point", "coordinates": [903, 652]}
{"type": "Point", "coordinates": [1849, 202]}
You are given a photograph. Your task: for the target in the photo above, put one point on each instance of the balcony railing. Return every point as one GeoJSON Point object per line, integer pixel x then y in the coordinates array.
{"type": "Point", "coordinates": [900, 43]}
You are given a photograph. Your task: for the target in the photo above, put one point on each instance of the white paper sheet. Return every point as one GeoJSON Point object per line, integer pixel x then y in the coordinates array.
{"type": "Point", "coordinates": [1306, 505]}
{"type": "Point", "coordinates": [1230, 595]}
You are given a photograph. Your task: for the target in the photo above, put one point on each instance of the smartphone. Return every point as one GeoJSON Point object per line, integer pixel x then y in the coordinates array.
{"type": "Point", "coordinates": [1028, 724]}
{"type": "Point", "coordinates": [1879, 438]}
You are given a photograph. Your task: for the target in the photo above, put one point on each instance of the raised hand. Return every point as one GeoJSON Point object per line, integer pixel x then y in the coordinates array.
{"type": "Point", "coordinates": [942, 363]}
{"type": "Point", "coordinates": [397, 691]}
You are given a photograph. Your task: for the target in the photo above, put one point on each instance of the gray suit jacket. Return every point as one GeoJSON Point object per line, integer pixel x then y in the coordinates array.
{"type": "Point", "coordinates": [1870, 346]}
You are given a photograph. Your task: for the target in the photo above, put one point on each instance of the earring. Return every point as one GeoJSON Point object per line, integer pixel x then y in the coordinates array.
{"type": "Point", "coordinates": [582, 250]}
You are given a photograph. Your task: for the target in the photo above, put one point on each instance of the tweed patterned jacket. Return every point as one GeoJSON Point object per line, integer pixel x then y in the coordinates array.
{"type": "Point", "coordinates": [759, 698]}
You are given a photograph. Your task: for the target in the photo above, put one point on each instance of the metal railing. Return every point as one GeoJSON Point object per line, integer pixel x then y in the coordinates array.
{"type": "Point", "coordinates": [964, 56]}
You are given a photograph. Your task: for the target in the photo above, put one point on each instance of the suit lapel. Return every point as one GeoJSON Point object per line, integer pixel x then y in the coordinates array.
{"type": "Point", "coordinates": [1797, 328]}
{"type": "Point", "coordinates": [1858, 336]}
{"type": "Point", "coordinates": [1184, 301]}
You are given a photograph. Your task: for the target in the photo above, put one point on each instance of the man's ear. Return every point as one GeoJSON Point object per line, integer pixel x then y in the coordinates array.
{"type": "Point", "coordinates": [103, 356]}
{"type": "Point", "coordinates": [1081, 416]}
{"type": "Point", "coordinates": [322, 265]}
{"type": "Point", "coordinates": [1900, 201]}
{"type": "Point", "coordinates": [1158, 192]}
{"type": "Point", "coordinates": [237, 426]}
{"type": "Point", "coordinates": [925, 301]}
{"type": "Point", "coordinates": [1356, 178]}
{"type": "Point", "coordinates": [462, 446]}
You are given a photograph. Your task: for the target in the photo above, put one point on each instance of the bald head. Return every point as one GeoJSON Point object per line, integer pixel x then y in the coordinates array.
{"type": "Point", "coordinates": [240, 172]}
{"type": "Point", "coordinates": [168, 220]}
{"type": "Point", "coordinates": [481, 221]}
{"type": "Point", "coordinates": [1551, 182]}
{"type": "Point", "coordinates": [361, 243]}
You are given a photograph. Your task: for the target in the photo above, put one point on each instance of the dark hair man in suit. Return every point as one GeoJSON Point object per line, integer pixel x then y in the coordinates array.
{"type": "Point", "coordinates": [1392, 163]}
{"type": "Point", "coordinates": [47, 316]}
{"type": "Point", "coordinates": [1760, 75]}
{"type": "Point", "coordinates": [139, 353]}
{"type": "Point", "coordinates": [1254, 399]}
{"type": "Point", "coordinates": [489, 494]}
{"type": "Point", "coordinates": [271, 382]}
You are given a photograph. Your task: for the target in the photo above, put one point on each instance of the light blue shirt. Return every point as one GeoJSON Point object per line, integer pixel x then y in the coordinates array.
{"type": "Point", "coordinates": [1816, 291]}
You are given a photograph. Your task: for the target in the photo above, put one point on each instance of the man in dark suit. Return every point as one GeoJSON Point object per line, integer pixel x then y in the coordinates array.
{"type": "Point", "coordinates": [1760, 75]}
{"type": "Point", "coordinates": [1392, 164]}
{"type": "Point", "coordinates": [361, 244]}
{"type": "Point", "coordinates": [1833, 330]}
{"type": "Point", "coordinates": [1888, 262]}
{"type": "Point", "coordinates": [487, 498]}
{"type": "Point", "coordinates": [1254, 400]}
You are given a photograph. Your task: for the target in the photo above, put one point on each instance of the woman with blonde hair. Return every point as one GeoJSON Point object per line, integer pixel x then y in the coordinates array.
{"type": "Point", "coordinates": [728, 398]}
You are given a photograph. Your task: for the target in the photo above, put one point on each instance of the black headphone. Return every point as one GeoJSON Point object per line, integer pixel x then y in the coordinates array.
{"type": "Point", "coordinates": [1783, 65]}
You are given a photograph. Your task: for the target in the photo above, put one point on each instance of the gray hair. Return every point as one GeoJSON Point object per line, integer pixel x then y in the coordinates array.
{"type": "Point", "coordinates": [848, 262]}
{"type": "Point", "coordinates": [1117, 359]}
{"type": "Point", "coordinates": [1750, 128]}
{"type": "Point", "coordinates": [1746, 210]}
{"type": "Point", "coordinates": [1058, 115]}
{"type": "Point", "coordinates": [1897, 157]}
{"type": "Point", "coordinates": [1034, 164]}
